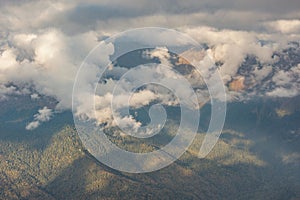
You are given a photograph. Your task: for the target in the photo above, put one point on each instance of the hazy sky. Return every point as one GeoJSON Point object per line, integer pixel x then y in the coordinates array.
{"type": "Point", "coordinates": [74, 16]}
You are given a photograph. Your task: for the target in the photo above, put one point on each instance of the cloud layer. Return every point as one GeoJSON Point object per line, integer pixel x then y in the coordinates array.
{"type": "Point", "coordinates": [42, 43]}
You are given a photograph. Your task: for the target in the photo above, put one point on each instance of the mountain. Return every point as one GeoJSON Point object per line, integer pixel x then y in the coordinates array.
{"type": "Point", "coordinates": [257, 157]}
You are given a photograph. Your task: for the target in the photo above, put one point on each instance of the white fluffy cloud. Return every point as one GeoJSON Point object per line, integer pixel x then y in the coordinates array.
{"type": "Point", "coordinates": [231, 47]}
{"type": "Point", "coordinates": [43, 115]}
{"type": "Point", "coordinates": [49, 63]}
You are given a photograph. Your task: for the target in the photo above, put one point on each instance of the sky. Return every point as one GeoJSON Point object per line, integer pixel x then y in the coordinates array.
{"type": "Point", "coordinates": [76, 16]}
{"type": "Point", "coordinates": [43, 43]}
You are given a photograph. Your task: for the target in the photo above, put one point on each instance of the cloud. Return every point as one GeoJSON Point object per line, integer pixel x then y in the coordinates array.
{"type": "Point", "coordinates": [231, 47]}
{"type": "Point", "coordinates": [161, 53]}
{"type": "Point", "coordinates": [287, 82]}
{"type": "Point", "coordinates": [34, 96]}
{"type": "Point", "coordinates": [285, 26]}
{"type": "Point", "coordinates": [42, 45]}
{"type": "Point", "coordinates": [49, 63]}
{"type": "Point", "coordinates": [43, 115]}
{"type": "Point", "coordinates": [80, 16]}
{"type": "Point", "coordinates": [124, 95]}
{"type": "Point", "coordinates": [32, 125]}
